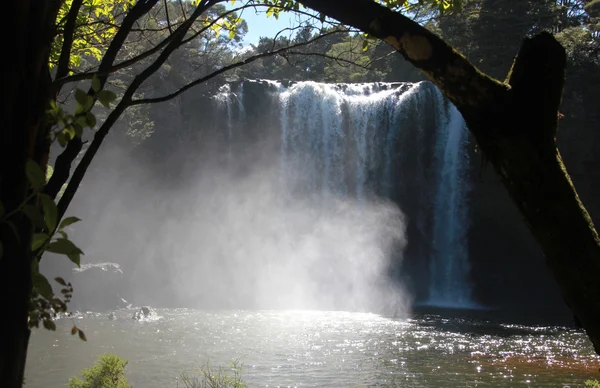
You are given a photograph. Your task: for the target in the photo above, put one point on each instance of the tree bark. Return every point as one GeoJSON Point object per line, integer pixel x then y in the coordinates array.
{"type": "Point", "coordinates": [25, 88]}
{"type": "Point", "coordinates": [514, 124]}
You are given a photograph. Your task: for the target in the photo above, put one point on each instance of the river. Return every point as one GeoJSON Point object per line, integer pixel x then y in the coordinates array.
{"type": "Point", "coordinates": [317, 349]}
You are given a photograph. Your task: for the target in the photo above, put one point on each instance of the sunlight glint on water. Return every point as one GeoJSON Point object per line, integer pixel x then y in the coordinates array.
{"type": "Point", "coordinates": [322, 349]}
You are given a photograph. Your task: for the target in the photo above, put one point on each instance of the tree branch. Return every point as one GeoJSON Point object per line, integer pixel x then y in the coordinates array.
{"type": "Point", "coordinates": [122, 65]}
{"type": "Point", "coordinates": [442, 64]}
{"type": "Point", "coordinates": [64, 161]}
{"type": "Point", "coordinates": [167, 15]}
{"type": "Point", "coordinates": [538, 74]}
{"type": "Point", "coordinates": [125, 102]}
{"type": "Point", "coordinates": [225, 69]}
{"type": "Point", "coordinates": [65, 53]}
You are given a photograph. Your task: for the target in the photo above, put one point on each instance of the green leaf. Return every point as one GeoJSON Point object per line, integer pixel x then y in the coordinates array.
{"type": "Point", "coordinates": [96, 84]}
{"type": "Point", "coordinates": [78, 129]}
{"type": "Point", "coordinates": [365, 45]}
{"type": "Point", "coordinates": [90, 119]}
{"type": "Point", "coordinates": [49, 325]}
{"type": "Point", "coordinates": [75, 257]}
{"type": "Point", "coordinates": [34, 215]}
{"type": "Point", "coordinates": [38, 240]}
{"type": "Point", "coordinates": [50, 211]}
{"type": "Point", "coordinates": [88, 103]}
{"type": "Point", "coordinates": [81, 96]}
{"type": "Point", "coordinates": [14, 230]}
{"type": "Point", "coordinates": [106, 97]}
{"type": "Point", "coordinates": [41, 284]}
{"type": "Point", "coordinates": [231, 34]}
{"type": "Point", "coordinates": [63, 246]}
{"type": "Point", "coordinates": [62, 139]}
{"type": "Point", "coordinates": [35, 174]}
{"type": "Point", "coordinates": [68, 221]}
{"type": "Point", "coordinates": [81, 120]}
{"type": "Point", "coordinates": [69, 132]}
{"type": "Point", "coordinates": [60, 281]}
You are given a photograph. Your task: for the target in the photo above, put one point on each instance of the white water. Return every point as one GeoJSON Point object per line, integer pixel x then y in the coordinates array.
{"type": "Point", "coordinates": [450, 257]}
{"type": "Point", "coordinates": [348, 140]}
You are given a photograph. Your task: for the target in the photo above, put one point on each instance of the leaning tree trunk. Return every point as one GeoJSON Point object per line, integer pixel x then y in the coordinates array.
{"type": "Point", "coordinates": [514, 123]}
{"type": "Point", "coordinates": [25, 88]}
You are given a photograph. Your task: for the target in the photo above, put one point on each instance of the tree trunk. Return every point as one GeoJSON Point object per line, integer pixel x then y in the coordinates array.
{"type": "Point", "coordinates": [514, 124]}
{"type": "Point", "coordinates": [25, 88]}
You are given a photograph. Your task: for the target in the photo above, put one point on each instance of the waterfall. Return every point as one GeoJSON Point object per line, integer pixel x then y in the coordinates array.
{"type": "Point", "coordinates": [449, 262]}
{"type": "Point", "coordinates": [400, 142]}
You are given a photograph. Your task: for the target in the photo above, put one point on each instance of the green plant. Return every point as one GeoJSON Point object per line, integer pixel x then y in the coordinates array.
{"type": "Point", "coordinates": [107, 372]}
{"type": "Point", "coordinates": [221, 377]}
{"type": "Point", "coordinates": [592, 384]}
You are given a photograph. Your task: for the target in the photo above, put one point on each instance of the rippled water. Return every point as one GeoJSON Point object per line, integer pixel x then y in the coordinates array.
{"type": "Point", "coordinates": [324, 349]}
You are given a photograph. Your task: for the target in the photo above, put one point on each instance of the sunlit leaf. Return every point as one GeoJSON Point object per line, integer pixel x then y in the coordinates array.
{"type": "Point", "coordinates": [69, 133]}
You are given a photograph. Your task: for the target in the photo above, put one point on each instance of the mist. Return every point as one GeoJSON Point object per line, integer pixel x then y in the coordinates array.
{"type": "Point", "coordinates": [238, 229]}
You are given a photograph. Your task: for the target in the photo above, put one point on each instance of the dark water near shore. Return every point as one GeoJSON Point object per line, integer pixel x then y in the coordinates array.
{"type": "Point", "coordinates": [318, 349]}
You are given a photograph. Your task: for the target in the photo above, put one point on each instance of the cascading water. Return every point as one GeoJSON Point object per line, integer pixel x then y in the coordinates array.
{"type": "Point", "coordinates": [382, 141]}
{"type": "Point", "coordinates": [449, 261]}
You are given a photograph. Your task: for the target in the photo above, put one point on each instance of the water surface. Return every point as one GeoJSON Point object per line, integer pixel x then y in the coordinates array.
{"type": "Point", "coordinates": [318, 349]}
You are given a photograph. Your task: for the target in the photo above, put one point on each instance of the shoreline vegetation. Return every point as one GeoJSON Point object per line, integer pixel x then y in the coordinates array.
{"type": "Point", "coordinates": [109, 372]}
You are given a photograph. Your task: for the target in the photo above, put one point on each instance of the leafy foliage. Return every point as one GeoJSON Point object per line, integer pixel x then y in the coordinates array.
{"type": "Point", "coordinates": [96, 24]}
{"type": "Point", "coordinates": [220, 377]}
{"type": "Point", "coordinates": [44, 305]}
{"type": "Point", "coordinates": [107, 372]}
{"type": "Point", "coordinates": [67, 126]}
